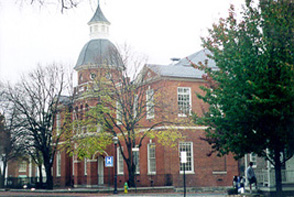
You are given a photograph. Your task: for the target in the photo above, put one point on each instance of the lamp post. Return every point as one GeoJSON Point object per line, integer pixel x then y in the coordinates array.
{"type": "Point", "coordinates": [115, 141]}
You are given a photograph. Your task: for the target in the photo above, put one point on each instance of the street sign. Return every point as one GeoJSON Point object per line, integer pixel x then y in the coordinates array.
{"type": "Point", "coordinates": [109, 161]}
{"type": "Point", "coordinates": [184, 157]}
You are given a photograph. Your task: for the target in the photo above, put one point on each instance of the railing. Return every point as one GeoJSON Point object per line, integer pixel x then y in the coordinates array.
{"type": "Point", "coordinates": [264, 178]}
{"type": "Point", "coordinates": [267, 177]}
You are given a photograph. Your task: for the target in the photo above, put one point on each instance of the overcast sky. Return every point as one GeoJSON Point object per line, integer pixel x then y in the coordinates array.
{"type": "Point", "coordinates": [161, 29]}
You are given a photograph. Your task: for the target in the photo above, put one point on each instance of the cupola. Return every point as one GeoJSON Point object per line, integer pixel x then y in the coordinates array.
{"type": "Point", "coordinates": [99, 25]}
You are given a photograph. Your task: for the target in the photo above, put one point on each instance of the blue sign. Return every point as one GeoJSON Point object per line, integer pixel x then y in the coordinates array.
{"type": "Point", "coordinates": [109, 161]}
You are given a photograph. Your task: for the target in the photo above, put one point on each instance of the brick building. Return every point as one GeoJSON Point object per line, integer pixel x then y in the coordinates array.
{"type": "Point", "coordinates": [157, 165]}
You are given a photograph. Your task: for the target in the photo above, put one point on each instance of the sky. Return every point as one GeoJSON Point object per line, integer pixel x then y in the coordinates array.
{"type": "Point", "coordinates": [159, 29]}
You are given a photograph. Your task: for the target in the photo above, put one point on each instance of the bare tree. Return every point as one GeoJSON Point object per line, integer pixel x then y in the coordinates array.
{"type": "Point", "coordinates": [35, 98]}
{"type": "Point", "coordinates": [63, 4]}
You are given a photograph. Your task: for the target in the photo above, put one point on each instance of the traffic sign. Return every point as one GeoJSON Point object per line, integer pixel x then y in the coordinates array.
{"type": "Point", "coordinates": [184, 157]}
{"type": "Point", "coordinates": [109, 161]}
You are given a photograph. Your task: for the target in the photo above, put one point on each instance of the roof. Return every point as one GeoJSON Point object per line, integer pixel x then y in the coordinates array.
{"type": "Point", "coordinates": [98, 52]}
{"type": "Point", "coordinates": [183, 68]}
{"type": "Point", "coordinates": [197, 57]}
{"type": "Point", "coordinates": [98, 16]}
{"type": "Point", "coordinates": [65, 99]}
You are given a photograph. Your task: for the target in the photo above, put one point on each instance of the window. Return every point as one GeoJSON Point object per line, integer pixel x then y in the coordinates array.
{"type": "Point", "coordinates": [58, 123]}
{"type": "Point", "coordinates": [136, 159]}
{"type": "Point", "coordinates": [151, 159]}
{"type": "Point", "coordinates": [22, 167]}
{"type": "Point", "coordinates": [253, 158]}
{"type": "Point", "coordinates": [136, 100]}
{"type": "Point", "coordinates": [149, 103]}
{"type": "Point", "coordinates": [120, 162]}
{"type": "Point", "coordinates": [118, 113]}
{"type": "Point", "coordinates": [184, 101]}
{"type": "Point", "coordinates": [73, 164]}
{"type": "Point", "coordinates": [58, 164]}
{"type": "Point", "coordinates": [92, 76]}
{"type": "Point", "coordinates": [188, 148]}
{"type": "Point", "coordinates": [85, 166]}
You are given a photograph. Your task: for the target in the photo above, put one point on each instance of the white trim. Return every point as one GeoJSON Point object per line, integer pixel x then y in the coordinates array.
{"type": "Point", "coordinates": [148, 158]}
{"type": "Point", "coordinates": [190, 101]}
{"type": "Point", "coordinates": [73, 165]}
{"type": "Point", "coordinates": [30, 167]}
{"type": "Point", "coordinates": [119, 114]}
{"type": "Point", "coordinates": [58, 164]}
{"type": "Point", "coordinates": [120, 157]}
{"type": "Point", "coordinates": [219, 172]}
{"type": "Point", "coordinates": [150, 112]}
{"type": "Point", "coordinates": [176, 127]}
{"type": "Point", "coordinates": [85, 166]}
{"type": "Point", "coordinates": [58, 123]}
{"type": "Point", "coordinates": [22, 166]}
{"type": "Point", "coordinates": [192, 158]}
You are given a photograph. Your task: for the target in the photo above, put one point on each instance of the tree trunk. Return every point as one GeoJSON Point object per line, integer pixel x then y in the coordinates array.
{"type": "Point", "coordinates": [4, 171]}
{"type": "Point", "coordinates": [132, 170]}
{"type": "Point", "coordinates": [1, 179]}
{"type": "Point", "coordinates": [49, 182]}
{"type": "Point", "coordinates": [40, 174]}
{"type": "Point", "coordinates": [2, 176]}
{"type": "Point", "coordinates": [278, 173]}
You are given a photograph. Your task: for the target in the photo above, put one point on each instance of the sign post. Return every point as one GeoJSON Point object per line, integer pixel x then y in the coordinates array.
{"type": "Point", "coordinates": [184, 161]}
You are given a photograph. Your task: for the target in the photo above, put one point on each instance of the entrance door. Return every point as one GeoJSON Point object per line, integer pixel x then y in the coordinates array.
{"type": "Point", "coordinates": [100, 170]}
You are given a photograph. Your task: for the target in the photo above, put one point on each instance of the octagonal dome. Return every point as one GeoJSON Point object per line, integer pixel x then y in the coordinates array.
{"type": "Point", "coordinates": [99, 52]}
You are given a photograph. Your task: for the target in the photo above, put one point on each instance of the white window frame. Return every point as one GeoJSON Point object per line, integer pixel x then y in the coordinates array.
{"type": "Point", "coordinates": [120, 162]}
{"type": "Point", "coordinates": [136, 102]}
{"type": "Point", "coordinates": [138, 164]}
{"type": "Point", "coordinates": [58, 164]}
{"type": "Point", "coordinates": [190, 157]}
{"type": "Point", "coordinates": [118, 113]}
{"type": "Point", "coordinates": [22, 166]}
{"type": "Point", "coordinates": [150, 103]}
{"type": "Point", "coordinates": [85, 166]}
{"type": "Point", "coordinates": [151, 158]}
{"type": "Point", "coordinates": [58, 123]}
{"type": "Point", "coordinates": [180, 113]}
{"type": "Point", "coordinates": [253, 159]}
{"type": "Point", "coordinates": [73, 164]}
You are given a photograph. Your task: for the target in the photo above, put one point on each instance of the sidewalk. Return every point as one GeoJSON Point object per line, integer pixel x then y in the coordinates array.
{"type": "Point", "coordinates": [109, 192]}
{"type": "Point", "coordinates": [103, 192]}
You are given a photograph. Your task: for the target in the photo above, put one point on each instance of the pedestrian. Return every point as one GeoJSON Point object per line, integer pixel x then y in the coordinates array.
{"type": "Point", "coordinates": [251, 176]}
{"type": "Point", "coordinates": [238, 183]}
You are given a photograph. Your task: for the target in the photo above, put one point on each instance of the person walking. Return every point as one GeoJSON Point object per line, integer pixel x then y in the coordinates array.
{"type": "Point", "coordinates": [251, 176]}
